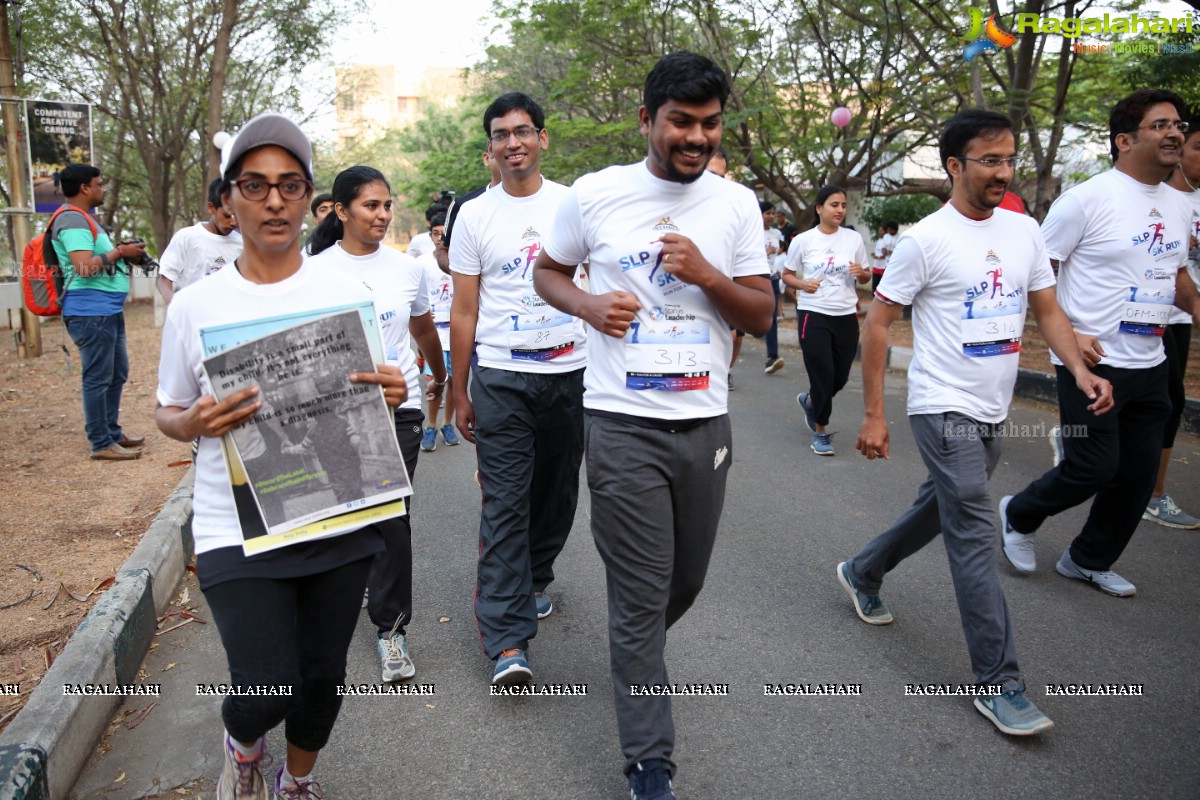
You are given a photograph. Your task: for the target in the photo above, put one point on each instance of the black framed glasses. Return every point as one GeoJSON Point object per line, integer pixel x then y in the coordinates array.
{"type": "Point", "coordinates": [991, 163]}
{"type": "Point", "coordinates": [257, 189]}
{"type": "Point", "coordinates": [524, 133]}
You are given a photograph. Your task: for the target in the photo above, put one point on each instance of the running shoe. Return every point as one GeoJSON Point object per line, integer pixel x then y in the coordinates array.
{"type": "Point", "coordinates": [806, 404]}
{"type": "Point", "coordinates": [545, 606]}
{"type": "Point", "coordinates": [306, 789]}
{"type": "Point", "coordinates": [822, 444]}
{"type": "Point", "coordinates": [1056, 444]}
{"type": "Point", "coordinates": [773, 365]}
{"type": "Point", "coordinates": [393, 655]}
{"type": "Point", "coordinates": [1013, 713]}
{"type": "Point", "coordinates": [870, 607]}
{"type": "Point", "coordinates": [1164, 511]}
{"type": "Point", "coordinates": [1106, 580]}
{"type": "Point", "coordinates": [1019, 548]}
{"type": "Point", "coordinates": [429, 440]}
{"type": "Point", "coordinates": [449, 436]}
{"type": "Point", "coordinates": [241, 778]}
{"type": "Point", "coordinates": [512, 668]}
{"type": "Point", "coordinates": [650, 781]}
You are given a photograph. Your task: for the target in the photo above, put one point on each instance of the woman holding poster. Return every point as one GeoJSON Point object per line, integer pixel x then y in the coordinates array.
{"type": "Point", "coordinates": [285, 616]}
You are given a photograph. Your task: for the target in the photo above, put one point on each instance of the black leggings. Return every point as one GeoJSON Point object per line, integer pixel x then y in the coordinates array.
{"type": "Point", "coordinates": [828, 344]}
{"type": "Point", "coordinates": [390, 582]}
{"type": "Point", "coordinates": [288, 632]}
{"type": "Point", "coordinates": [1177, 341]}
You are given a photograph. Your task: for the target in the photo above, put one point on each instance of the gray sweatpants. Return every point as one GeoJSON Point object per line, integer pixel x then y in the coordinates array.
{"type": "Point", "coordinates": [529, 443]}
{"type": "Point", "coordinates": [954, 500]}
{"type": "Point", "coordinates": [656, 503]}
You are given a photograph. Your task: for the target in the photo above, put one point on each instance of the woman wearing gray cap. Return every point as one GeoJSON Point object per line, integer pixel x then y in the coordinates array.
{"type": "Point", "coordinates": [285, 616]}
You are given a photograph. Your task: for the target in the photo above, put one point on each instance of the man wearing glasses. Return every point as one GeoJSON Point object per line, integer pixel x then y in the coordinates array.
{"type": "Point", "coordinates": [524, 412]}
{"type": "Point", "coordinates": [1120, 243]}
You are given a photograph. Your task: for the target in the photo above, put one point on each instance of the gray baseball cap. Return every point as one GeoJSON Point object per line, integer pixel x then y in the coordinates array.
{"type": "Point", "coordinates": [267, 129]}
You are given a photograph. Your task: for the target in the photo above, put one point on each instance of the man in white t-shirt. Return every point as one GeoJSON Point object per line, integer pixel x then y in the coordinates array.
{"type": "Point", "coordinates": [1177, 339]}
{"type": "Point", "coordinates": [883, 251]}
{"type": "Point", "coordinates": [676, 257]}
{"type": "Point", "coordinates": [970, 272]}
{"type": "Point", "coordinates": [524, 409]}
{"type": "Point", "coordinates": [1120, 240]}
{"type": "Point", "coordinates": [441, 296]}
{"type": "Point", "coordinates": [200, 250]}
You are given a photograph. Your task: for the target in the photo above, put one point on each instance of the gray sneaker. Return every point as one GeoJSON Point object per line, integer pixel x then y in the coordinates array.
{"type": "Point", "coordinates": [393, 654]}
{"type": "Point", "coordinates": [1164, 511]}
{"type": "Point", "coordinates": [1019, 548]}
{"type": "Point", "coordinates": [870, 607]}
{"type": "Point", "coordinates": [1013, 713]}
{"type": "Point", "coordinates": [1106, 581]}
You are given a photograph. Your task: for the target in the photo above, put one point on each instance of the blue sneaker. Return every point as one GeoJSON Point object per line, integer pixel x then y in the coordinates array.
{"type": "Point", "coordinates": [1013, 713]}
{"type": "Point", "coordinates": [512, 668]}
{"type": "Point", "coordinates": [650, 781]}
{"type": "Point", "coordinates": [822, 444]}
{"type": "Point", "coordinates": [429, 440]}
{"type": "Point", "coordinates": [870, 607]}
{"type": "Point", "coordinates": [449, 435]}
{"type": "Point", "coordinates": [806, 404]}
{"type": "Point", "coordinates": [545, 606]}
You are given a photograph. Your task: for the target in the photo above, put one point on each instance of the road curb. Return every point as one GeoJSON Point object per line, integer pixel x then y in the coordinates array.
{"type": "Point", "coordinates": [46, 746]}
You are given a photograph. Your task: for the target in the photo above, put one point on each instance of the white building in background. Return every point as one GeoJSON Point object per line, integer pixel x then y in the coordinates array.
{"type": "Point", "coordinates": [375, 98]}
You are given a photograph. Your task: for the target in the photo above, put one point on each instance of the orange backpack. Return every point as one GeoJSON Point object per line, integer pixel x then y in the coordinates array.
{"type": "Point", "coordinates": [41, 275]}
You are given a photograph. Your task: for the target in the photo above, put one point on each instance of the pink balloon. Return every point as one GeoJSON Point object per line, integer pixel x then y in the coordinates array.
{"type": "Point", "coordinates": [840, 117]}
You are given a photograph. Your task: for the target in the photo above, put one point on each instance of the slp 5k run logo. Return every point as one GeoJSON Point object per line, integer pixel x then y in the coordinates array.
{"type": "Point", "coordinates": [985, 37]}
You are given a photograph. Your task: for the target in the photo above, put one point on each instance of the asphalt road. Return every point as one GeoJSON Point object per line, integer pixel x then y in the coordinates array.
{"type": "Point", "coordinates": [772, 612]}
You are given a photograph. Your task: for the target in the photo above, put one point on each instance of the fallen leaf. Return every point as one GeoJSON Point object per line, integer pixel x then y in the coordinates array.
{"type": "Point", "coordinates": [120, 778]}
{"type": "Point", "coordinates": [52, 599]}
{"type": "Point", "coordinates": [169, 666]}
{"type": "Point", "coordinates": [191, 568]}
{"type": "Point", "coordinates": [82, 598]}
{"type": "Point", "coordinates": [182, 463]}
{"type": "Point", "coordinates": [141, 715]}
{"type": "Point", "coordinates": [104, 584]}
{"type": "Point", "coordinates": [174, 627]}
{"type": "Point", "coordinates": [184, 597]}
{"type": "Point", "coordinates": [430, 705]}
{"type": "Point", "coordinates": [49, 654]}
{"type": "Point", "coordinates": [443, 619]}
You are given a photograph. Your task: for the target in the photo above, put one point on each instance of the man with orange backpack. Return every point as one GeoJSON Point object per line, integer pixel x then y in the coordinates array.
{"type": "Point", "coordinates": [96, 282]}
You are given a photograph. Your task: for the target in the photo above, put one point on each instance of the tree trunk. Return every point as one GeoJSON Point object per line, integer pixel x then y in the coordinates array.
{"type": "Point", "coordinates": [216, 90]}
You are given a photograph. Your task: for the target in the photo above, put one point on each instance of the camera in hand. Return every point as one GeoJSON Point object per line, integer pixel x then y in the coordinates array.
{"type": "Point", "coordinates": [146, 263]}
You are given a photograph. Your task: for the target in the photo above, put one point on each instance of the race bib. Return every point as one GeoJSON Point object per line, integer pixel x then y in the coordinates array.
{"type": "Point", "coordinates": [1145, 319]}
{"type": "Point", "coordinates": [669, 357]}
{"type": "Point", "coordinates": [991, 336]}
{"type": "Point", "coordinates": [541, 337]}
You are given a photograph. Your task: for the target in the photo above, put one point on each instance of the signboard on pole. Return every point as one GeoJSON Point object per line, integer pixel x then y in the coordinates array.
{"type": "Point", "coordinates": [59, 134]}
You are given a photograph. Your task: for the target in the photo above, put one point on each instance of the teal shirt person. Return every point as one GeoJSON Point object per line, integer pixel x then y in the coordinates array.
{"type": "Point", "coordinates": [100, 295]}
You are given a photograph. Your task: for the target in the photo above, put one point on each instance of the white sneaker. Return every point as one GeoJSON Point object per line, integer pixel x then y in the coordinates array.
{"type": "Point", "coordinates": [1019, 548]}
{"type": "Point", "coordinates": [241, 779]}
{"type": "Point", "coordinates": [1106, 581]}
{"type": "Point", "coordinates": [393, 654]}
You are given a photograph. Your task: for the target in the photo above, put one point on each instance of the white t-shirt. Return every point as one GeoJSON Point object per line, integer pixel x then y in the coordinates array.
{"type": "Point", "coordinates": [420, 244]}
{"type": "Point", "coordinates": [441, 296]}
{"type": "Point", "coordinates": [967, 281]}
{"type": "Point", "coordinates": [772, 236]}
{"type": "Point", "coordinates": [882, 245]}
{"type": "Point", "coordinates": [813, 255]}
{"type": "Point", "coordinates": [1192, 201]}
{"type": "Point", "coordinates": [225, 298]}
{"type": "Point", "coordinates": [397, 284]}
{"type": "Point", "coordinates": [673, 362]}
{"type": "Point", "coordinates": [194, 253]}
{"type": "Point", "coordinates": [1120, 243]}
{"type": "Point", "coordinates": [498, 237]}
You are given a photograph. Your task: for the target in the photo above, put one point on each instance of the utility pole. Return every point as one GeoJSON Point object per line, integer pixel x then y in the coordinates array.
{"type": "Point", "coordinates": [31, 326]}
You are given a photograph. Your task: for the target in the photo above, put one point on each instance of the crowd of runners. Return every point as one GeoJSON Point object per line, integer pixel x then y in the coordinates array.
{"type": "Point", "coordinates": [547, 324]}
